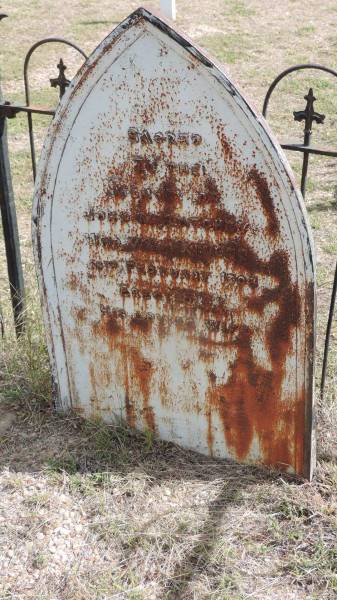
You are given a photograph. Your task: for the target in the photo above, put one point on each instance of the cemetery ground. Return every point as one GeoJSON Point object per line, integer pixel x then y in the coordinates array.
{"type": "Point", "coordinates": [89, 511]}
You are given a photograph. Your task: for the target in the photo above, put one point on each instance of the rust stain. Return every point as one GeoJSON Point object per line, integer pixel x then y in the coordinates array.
{"type": "Point", "coordinates": [81, 314]}
{"type": "Point", "coordinates": [248, 404]}
{"type": "Point", "coordinates": [73, 282]}
{"type": "Point", "coordinates": [210, 435]}
{"type": "Point", "coordinates": [211, 194]}
{"type": "Point", "coordinates": [107, 328]}
{"type": "Point", "coordinates": [141, 323]}
{"type": "Point", "coordinates": [168, 195]}
{"type": "Point", "coordinates": [262, 189]}
{"type": "Point", "coordinates": [252, 178]}
{"type": "Point", "coordinates": [138, 384]}
{"type": "Point", "coordinates": [141, 371]}
{"type": "Point", "coordinates": [134, 371]}
{"type": "Point", "coordinates": [129, 404]}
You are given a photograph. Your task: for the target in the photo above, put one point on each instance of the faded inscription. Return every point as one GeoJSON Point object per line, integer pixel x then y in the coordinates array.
{"type": "Point", "coordinates": [146, 200]}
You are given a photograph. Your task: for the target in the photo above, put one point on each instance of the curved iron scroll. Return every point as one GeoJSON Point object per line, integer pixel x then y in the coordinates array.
{"type": "Point", "coordinates": [57, 40]}
{"type": "Point", "coordinates": [309, 116]}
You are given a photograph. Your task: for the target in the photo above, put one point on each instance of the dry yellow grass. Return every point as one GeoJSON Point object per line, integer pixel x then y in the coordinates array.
{"type": "Point", "coordinates": [91, 512]}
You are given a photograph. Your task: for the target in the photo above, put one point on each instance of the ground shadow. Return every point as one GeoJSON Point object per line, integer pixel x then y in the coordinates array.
{"type": "Point", "coordinates": [331, 205]}
{"type": "Point", "coordinates": [197, 561]}
{"type": "Point", "coordinates": [33, 440]}
{"type": "Point", "coordinates": [99, 22]}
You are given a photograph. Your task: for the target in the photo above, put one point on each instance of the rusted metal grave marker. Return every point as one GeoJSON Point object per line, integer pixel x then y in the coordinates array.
{"type": "Point", "coordinates": [174, 256]}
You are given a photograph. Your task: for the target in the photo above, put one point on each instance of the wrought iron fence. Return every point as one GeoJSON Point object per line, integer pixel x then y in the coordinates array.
{"type": "Point", "coordinates": [9, 110]}
{"type": "Point", "coordinates": [309, 116]}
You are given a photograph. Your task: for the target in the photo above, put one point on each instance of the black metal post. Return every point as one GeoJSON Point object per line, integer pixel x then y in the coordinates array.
{"type": "Point", "coordinates": [308, 115]}
{"type": "Point", "coordinates": [307, 138]}
{"type": "Point", "coordinates": [328, 331]}
{"type": "Point", "coordinates": [10, 230]}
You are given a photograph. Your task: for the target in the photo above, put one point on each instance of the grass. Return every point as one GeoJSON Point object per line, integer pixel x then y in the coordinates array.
{"type": "Point", "coordinates": [25, 367]}
{"type": "Point", "coordinates": [331, 246]}
{"type": "Point", "coordinates": [228, 48]}
{"type": "Point", "coordinates": [237, 8]}
{"type": "Point", "coordinates": [90, 511]}
{"type": "Point", "coordinates": [306, 30]}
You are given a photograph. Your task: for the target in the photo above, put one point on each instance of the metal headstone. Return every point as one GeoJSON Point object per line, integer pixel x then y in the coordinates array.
{"type": "Point", "coordinates": [174, 256]}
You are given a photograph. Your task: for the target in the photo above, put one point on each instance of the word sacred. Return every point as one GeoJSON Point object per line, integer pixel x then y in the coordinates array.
{"type": "Point", "coordinates": [144, 137]}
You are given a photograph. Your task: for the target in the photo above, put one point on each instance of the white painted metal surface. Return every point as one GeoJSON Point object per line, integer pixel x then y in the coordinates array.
{"type": "Point", "coordinates": [173, 254]}
{"type": "Point", "coordinates": [168, 8]}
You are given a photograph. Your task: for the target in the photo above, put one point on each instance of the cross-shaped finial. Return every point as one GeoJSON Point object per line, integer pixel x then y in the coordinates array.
{"type": "Point", "coordinates": [60, 81]}
{"type": "Point", "coordinates": [308, 114]}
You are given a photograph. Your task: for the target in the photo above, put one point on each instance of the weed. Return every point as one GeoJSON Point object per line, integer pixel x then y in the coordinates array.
{"type": "Point", "coordinates": [37, 500]}
{"type": "Point", "coordinates": [25, 364]}
{"type": "Point", "coordinates": [148, 439]}
{"type": "Point", "coordinates": [39, 560]}
{"type": "Point", "coordinates": [331, 246]}
{"type": "Point", "coordinates": [66, 464]}
{"type": "Point", "coordinates": [306, 30]}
